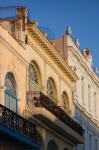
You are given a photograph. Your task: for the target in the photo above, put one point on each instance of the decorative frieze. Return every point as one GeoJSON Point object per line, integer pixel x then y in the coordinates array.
{"type": "Point", "coordinates": [51, 51]}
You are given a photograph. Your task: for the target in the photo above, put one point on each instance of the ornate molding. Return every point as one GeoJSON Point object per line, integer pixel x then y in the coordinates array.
{"type": "Point", "coordinates": [80, 58]}
{"type": "Point", "coordinates": [41, 53]}
{"type": "Point", "coordinates": [49, 49]}
{"type": "Point", "coordinates": [86, 113]}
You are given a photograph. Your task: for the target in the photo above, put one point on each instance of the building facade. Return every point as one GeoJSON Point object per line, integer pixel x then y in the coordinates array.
{"type": "Point", "coordinates": [86, 89]}
{"type": "Point", "coordinates": [36, 89]}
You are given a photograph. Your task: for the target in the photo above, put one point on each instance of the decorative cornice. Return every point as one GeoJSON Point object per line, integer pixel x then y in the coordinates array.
{"type": "Point", "coordinates": [48, 48]}
{"type": "Point", "coordinates": [86, 113]}
{"type": "Point", "coordinates": [41, 53]}
{"type": "Point", "coordinates": [80, 58]}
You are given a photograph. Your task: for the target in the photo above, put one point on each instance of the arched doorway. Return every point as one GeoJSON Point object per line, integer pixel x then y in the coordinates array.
{"type": "Point", "coordinates": [11, 100]}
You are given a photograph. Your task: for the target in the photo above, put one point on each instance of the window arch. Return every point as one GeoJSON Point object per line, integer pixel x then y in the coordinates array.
{"type": "Point", "coordinates": [11, 92]}
{"type": "Point", "coordinates": [34, 76]}
{"type": "Point", "coordinates": [52, 145]}
{"type": "Point", "coordinates": [65, 103]}
{"type": "Point", "coordinates": [51, 89]}
{"type": "Point", "coordinates": [33, 73]}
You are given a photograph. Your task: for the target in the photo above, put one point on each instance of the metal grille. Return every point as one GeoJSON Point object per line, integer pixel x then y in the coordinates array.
{"type": "Point", "coordinates": [17, 123]}
{"type": "Point", "coordinates": [9, 12]}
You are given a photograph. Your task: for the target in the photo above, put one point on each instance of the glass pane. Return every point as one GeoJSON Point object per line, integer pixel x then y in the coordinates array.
{"type": "Point", "coordinates": [64, 101]}
{"type": "Point", "coordinates": [50, 89]}
{"type": "Point", "coordinates": [10, 92]}
{"type": "Point", "coordinates": [10, 84]}
{"type": "Point", "coordinates": [33, 74]}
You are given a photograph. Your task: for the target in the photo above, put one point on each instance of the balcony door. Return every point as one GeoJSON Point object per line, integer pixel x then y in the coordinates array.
{"type": "Point", "coordinates": [11, 100]}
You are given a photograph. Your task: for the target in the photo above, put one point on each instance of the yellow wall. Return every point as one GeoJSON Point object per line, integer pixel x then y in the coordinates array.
{"type": "Point", "coordinates": [10, 63]}
{"type": "Point", "coordinates": [15, 59]}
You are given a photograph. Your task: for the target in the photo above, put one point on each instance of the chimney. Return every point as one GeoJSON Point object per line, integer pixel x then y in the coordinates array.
{"type": "Point", "coordinates": [88, 55]}
{"type": "Point", "coordinates": [22, 14]}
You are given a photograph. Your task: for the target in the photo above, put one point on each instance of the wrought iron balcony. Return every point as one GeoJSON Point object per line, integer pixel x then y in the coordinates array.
{"type": "Point", "coordinates": [16, 123]}
{"type": "Point", "coordinates": [38, 99]}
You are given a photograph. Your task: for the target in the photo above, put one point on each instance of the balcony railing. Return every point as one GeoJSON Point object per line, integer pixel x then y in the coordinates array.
{"type": "Point", "coordinates": [38, 99]}
{"type": "Point", "coordinates": [17, 123]}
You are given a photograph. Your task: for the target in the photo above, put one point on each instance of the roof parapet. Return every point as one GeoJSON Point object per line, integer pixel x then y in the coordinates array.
{"type": "Point", "coordinates": [88, 55]}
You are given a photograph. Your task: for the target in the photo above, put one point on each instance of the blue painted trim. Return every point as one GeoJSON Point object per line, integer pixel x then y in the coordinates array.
{"type": "Point", "coordinates": [8, 95]}
{"type": "Point", "coordinates": [20, 137]}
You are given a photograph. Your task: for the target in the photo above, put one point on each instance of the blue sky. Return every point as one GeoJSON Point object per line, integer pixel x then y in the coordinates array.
{"type": "Point", "coordinates": [81, 15]}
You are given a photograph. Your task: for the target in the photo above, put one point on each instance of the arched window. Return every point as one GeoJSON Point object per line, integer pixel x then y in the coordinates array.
{"type": "Point", "coordinates": [34, 79]}
{"type": "Point", "coordinates": [52, 145]}
{"type": "Point", "coordinates": [51, 89]}
{"type": "Point", "coordinates": [10, 92]}
{"type": "Point", "coordinates": [33, 74]}
{"type": "Point", "coordinates": [65, 104]}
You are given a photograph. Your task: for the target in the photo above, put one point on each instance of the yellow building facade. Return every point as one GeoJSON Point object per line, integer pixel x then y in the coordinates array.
{"type": "Point", "coordinates": [37, 84]}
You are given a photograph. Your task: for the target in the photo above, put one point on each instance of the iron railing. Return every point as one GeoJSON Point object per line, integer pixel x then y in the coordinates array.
{"type": "Point", "coordinates": [38, 99]}
{"type": "Point", "coordinates": [17, 123]}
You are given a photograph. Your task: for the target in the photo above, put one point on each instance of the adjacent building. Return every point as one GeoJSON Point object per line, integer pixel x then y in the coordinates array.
{"type": "Point", "coordinates": [36, 89]}
{"type": "Point", "coordinates": [86, 89]}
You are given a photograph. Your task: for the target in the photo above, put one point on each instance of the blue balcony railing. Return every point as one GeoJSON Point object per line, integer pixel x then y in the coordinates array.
{"type": "Point", "coordinates": [16, 123]}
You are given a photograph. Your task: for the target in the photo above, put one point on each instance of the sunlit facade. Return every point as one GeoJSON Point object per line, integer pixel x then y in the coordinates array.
{"type": "Point", "coordinates": [86, 88]}
{"type": "Point", "coordinates": [36, 90]}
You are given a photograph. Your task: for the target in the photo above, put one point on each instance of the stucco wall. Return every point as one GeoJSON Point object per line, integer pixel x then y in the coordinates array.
{"type": "Point", "coordinates": [90, 130]}
{"type": "Point", "coordinates": [87, 80]}
{"type": "Point", "coordinates": [15, 59]}
{"type": "Point", "coordinates": [48, 135]}
{"type": "Point", "coordinates": [87, 115]}
{"type": "Point", "coordinates": [10, 63]}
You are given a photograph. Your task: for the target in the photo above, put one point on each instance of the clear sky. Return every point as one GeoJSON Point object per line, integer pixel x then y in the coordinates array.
{"type": "Point", "coordinates": [81, 15]}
